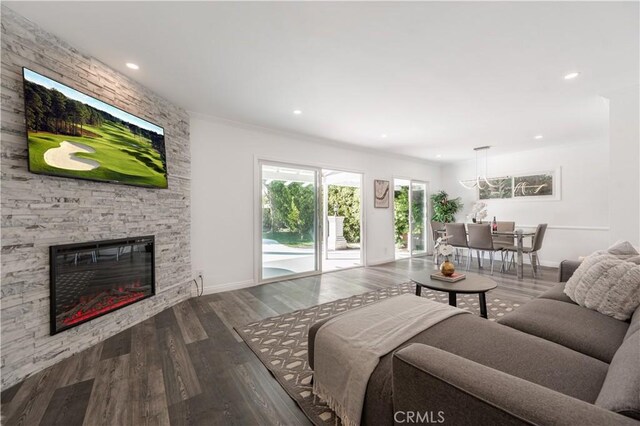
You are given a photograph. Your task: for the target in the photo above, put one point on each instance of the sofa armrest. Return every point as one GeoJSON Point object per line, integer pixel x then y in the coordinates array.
{"type": "Point", "coordinates": [567, 268]}
{"type": "Point", "coordinates": [442, 386]}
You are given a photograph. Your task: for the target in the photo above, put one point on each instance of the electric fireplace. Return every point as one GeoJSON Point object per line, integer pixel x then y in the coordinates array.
{"type": "Point", "coordinates": [91, 279]}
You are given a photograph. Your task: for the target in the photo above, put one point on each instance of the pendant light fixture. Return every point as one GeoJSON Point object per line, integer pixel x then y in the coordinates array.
{"type": "Point", "coordinates": [480, 181]}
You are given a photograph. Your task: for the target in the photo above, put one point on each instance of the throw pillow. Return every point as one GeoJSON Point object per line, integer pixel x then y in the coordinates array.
{"type": "Point", "coordinates": [634, 259]}
{"type": "Point", "coordinates": [606, 284]}
{"type": "Point", "coordinates": [622, 248]}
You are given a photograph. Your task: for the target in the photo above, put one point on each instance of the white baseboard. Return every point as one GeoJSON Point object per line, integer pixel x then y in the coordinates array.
{"type": "Point", "coordinates": [380, 261]}
{"type": "Point", "coordinates": [219, 288]}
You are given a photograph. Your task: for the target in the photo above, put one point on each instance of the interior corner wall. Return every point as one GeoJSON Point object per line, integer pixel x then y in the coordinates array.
{"type": "Point", "coordinates": [223, 179]}
{"type": "Point", "coordinates": [578, 222]}
{"type": "Point", "coordinates": [39, 211]}
{"type": "Point", "coordinates": [624, 179]}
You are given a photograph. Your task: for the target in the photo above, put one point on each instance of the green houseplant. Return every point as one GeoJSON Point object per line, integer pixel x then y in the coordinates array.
{"type": "Point", "coordinates": [445, 208]}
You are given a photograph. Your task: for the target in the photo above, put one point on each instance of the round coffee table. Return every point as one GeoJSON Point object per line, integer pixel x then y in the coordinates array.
{"type": "Point", "coordinates": [473, 283]}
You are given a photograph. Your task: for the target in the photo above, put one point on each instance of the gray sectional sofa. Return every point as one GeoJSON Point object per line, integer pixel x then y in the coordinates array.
{"type": "Point", "coordinates": [550, 362]}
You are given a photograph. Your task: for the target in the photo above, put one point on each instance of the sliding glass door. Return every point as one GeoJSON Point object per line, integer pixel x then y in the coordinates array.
{"type": "Point", "coordinates": [410, 218]}
{"type": "Point", "coordinates": [289, 201]}
{"type": "Point", "coordinates": [401, 217]}
{"type": "Point", "coordinates": [419, 224]}
{"type": "Point", "coordinates": [342, 193]}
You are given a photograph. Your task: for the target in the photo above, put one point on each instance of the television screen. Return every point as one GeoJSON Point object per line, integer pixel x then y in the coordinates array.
{"type": "Point", "coordinates": [75, 135]}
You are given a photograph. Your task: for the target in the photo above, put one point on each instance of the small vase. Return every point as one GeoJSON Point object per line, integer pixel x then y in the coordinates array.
{"type": "Point", "coordinates": [473, 220]}
{"type": "Point", "coordinates": [447, 268]}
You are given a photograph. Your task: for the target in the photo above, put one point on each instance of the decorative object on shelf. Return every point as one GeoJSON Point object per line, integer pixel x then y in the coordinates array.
{"type": "Point", "coordinates": [455, 277]}
{"type": "Point", "coordinates": [447, 268]}
{"type": "Point", "coordinates": [478, 212]}
{"type": "Point", "coordinates": [381, 188]}
{"type": "Point", "coordinates": [445, 208]}
{"type": "Point", "coordinates": [479, 181]}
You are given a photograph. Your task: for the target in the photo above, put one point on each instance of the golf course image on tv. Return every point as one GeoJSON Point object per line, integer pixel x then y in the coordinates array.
{"type": "Point", "coordinates": [75, 135]}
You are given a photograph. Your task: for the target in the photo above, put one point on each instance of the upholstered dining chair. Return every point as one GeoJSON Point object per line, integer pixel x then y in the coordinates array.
{"type": "Point", "coordinates": [501, 240]}
{"type": "Point", "coordinates": [480, 240]}
{"type": "Point", "coordinates": [457, 234]}
{"type": "Point", "coordinates": [532, 251]}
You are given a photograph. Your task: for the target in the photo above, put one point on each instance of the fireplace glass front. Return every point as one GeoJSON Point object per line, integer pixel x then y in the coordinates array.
{"type": "Point", "coordinates": [91, 279]}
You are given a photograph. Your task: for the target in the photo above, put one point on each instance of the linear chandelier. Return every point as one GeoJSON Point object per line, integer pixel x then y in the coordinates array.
{"type": "Point", "coordinates": [480, 181]}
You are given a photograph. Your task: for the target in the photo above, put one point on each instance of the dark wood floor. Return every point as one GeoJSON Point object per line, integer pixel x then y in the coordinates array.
{"type": "Point", "coordinates": [186, 365]}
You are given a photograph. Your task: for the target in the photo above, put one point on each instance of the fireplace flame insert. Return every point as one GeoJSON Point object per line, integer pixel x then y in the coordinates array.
{"type": "Point", "coordinates": [91, 279]}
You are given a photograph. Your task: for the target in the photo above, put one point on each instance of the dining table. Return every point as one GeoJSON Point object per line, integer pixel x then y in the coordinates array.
{"type": "Point", "coordinates": [518, 236]}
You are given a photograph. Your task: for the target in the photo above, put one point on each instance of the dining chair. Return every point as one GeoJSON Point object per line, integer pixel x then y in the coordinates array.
{"type": "Point", "coordinates": [435, 227]}
{"type": "Point", "coordinates": [480, 239]}
{"type": "Point", "coordinates": [532, 251]}
{"type": "Point", "coordinates": [502, 240]}
{"type": "Point", "coordinates": [457, 234]}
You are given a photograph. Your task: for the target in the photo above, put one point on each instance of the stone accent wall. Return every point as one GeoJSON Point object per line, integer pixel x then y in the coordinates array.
{"type": "Point", "coordinates": [39, 211]}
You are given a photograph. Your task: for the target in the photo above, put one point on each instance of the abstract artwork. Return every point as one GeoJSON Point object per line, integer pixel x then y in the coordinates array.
{"type": "Point", "coordinates": [538, 185]}
{"type": "Point", "coordinates": [532, 185]}
{"type": "Point", "coordinates": [498, 188]}
{"type": "Point", "coordinates": [381, 189]}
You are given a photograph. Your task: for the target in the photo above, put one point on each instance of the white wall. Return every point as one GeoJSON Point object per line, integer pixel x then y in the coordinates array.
{"type": "Point", "coordinates": [578, 222]}
{"type": "Point", "coordinates": [624, 182]}
{"type": "Point", "coordinates": [223, 169]}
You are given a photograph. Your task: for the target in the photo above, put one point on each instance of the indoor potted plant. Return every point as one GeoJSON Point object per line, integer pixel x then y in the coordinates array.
{"type": "Point", "coordinates": [445, 208]}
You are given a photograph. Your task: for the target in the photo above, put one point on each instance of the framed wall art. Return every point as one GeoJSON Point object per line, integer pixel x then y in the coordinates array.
{"type": "Point", "coordinates": [525, 186]}
{"type": "Point", "coordinates": [381, 190]}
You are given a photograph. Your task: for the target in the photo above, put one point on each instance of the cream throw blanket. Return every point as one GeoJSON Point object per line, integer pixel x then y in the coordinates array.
{"type": "Point", "coordinates": [348, 347]}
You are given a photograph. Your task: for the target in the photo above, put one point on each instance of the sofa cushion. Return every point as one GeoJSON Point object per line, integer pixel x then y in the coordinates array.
{"type": "Point", "coordinates": [557, 293]}
{"type": "Point", "coordinates": [621, 389]}
{"type": "Point", "coordinates": [607, 284]}
{"type": "Point", "coordinates": [573, 326]}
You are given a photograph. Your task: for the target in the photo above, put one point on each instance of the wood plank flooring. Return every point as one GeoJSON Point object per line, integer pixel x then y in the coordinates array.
{"type": "Point", "coordinates": [186, 365]}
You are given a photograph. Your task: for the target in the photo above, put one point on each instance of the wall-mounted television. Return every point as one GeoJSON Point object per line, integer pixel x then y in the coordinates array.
{"type": "Point", "coordinates": [74, 135]}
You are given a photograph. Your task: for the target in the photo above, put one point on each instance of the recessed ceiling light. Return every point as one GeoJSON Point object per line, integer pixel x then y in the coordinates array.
{"type": "Point", "coordinates": [383, 136]}
{"type": "Point", "coordinates": [132, 66]}
{"type": "Point", "coordinates": [571, 75]}
{"type": "Point", "coordinates": [537, 137]}
{"type": "Point", "coordinates": [297, 112]}
{"type": "Point", "coordinates": [439, 156]}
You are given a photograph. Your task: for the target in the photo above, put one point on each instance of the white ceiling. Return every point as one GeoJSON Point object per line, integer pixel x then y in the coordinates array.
{"type": "Point", "coordinates": [437, 78]}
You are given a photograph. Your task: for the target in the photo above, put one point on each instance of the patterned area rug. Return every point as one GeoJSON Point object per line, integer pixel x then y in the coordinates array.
{"type": "Point", "coordinates": [280, 342]}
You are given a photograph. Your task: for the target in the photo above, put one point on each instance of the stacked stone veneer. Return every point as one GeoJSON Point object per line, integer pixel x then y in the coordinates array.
{"type": "Point", "coordinates": [40, 211]}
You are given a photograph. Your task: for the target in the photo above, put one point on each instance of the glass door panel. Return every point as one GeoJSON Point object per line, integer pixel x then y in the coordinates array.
{"type": "Point", "coordinates": [289, 221]}
{"type": "Point", "coordinates": [419, 227]}
{"type": "Point", "coordinates": [402, 226]}
{"type": "Point", "coordinates": [342, 219]}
